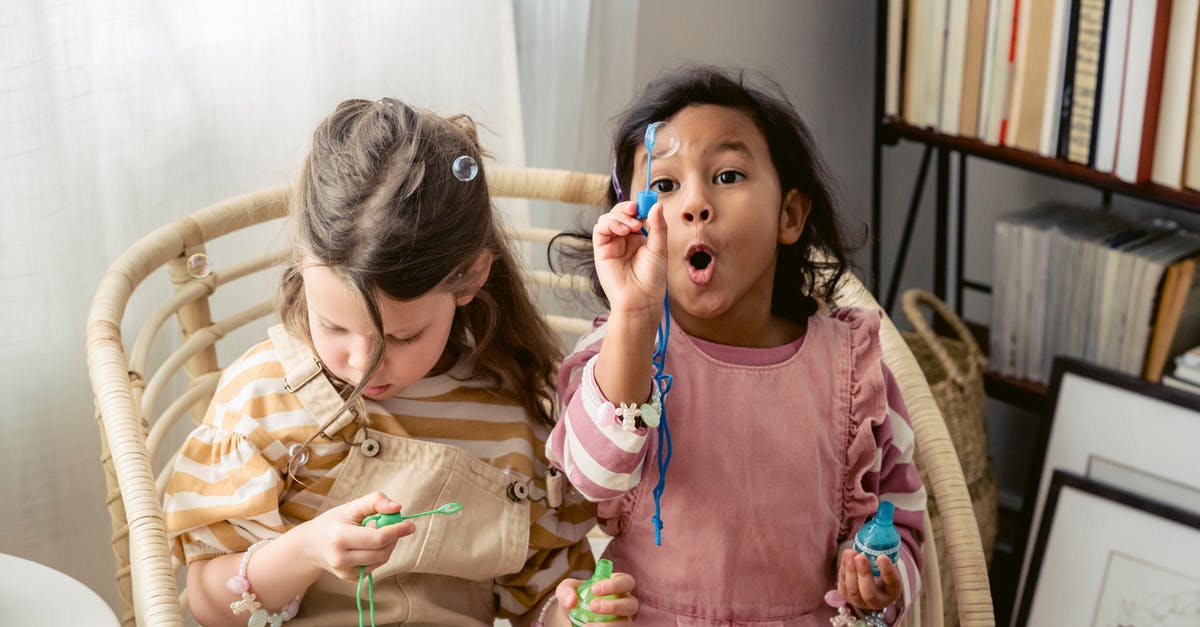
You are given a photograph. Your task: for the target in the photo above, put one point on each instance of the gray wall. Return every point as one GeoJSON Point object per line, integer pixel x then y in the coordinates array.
{"type": "Point", "coordinates": [822, 52]}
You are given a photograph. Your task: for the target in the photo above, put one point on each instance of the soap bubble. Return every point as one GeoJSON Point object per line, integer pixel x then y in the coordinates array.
{"type": "Point", "coordinates": [197, 266]}
{"type": "Point", "coordinates": [465, 168]}
{"type": "Point", "coordinates": [662, 139]}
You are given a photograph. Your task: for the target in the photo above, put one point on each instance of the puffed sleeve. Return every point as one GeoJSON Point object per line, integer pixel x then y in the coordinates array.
{"type": "Point", "coordinates": [600, 458]}
{"type": "Point", "coordinates": [880, 454]}
{"type": "Point", "coordinates": [224, 491]}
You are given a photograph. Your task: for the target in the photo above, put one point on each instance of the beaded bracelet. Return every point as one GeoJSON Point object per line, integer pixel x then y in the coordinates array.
{"type": "Point", "coordinates": [631, 416]}
{"type": "Point", "coordinates": [259, 617]}
{"type": "Point", "coordinates": [846, 616]}
{"type": "Point", "coordinates": [541, 619]}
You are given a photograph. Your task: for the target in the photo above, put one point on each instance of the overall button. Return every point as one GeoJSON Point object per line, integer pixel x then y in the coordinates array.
{"type": "Point", "coordinates": [517, 491]}
{"type": "Point", "coordinates": [370, 447]}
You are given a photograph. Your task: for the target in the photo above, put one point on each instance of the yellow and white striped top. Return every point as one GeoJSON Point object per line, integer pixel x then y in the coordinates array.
{"type": "Point", "coordinates": [228, 487]}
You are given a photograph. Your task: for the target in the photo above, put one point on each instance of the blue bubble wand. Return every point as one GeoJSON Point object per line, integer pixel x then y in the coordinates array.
{"type": "Point", "coordinates": [645, 200]}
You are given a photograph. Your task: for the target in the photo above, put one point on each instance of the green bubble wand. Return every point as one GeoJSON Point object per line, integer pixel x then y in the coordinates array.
{"type": "Point", "coordinates": [383, 520]}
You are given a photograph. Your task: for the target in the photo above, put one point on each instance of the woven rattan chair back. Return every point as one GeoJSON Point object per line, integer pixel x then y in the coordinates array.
{"type": "Point", "coordinates": [136, 415]}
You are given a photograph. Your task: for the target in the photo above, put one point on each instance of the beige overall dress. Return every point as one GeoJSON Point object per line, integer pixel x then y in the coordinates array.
{"type": "Point", "coordinates": [442, 573]}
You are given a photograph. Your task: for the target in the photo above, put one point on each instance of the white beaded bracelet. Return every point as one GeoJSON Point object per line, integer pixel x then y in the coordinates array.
{"type": "Point", "coordinates": [541, 619]}
{"type": "Point", "coordinates": [259, 617]}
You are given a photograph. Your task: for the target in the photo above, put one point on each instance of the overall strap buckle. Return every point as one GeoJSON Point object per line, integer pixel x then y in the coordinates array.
{"type": "Point", "coordinates": [306, 373]}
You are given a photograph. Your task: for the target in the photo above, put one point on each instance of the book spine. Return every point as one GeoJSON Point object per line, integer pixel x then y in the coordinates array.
{"type": "Point", "coordinates": [1009, 79]}
{"type": "Point", "coordinates": [1091, 161]}
{"type": "Point", "coordinates": [1068, 87]}
{"type": "Point", "coordinates": [1055, 76]}
{"type": "Point", "coordinates": [1112, 91]}
{"type": "Point", "coordinates": [1155, 90]}
{"type": "Point", "coordinates": [1087, 72]}
{"type": "Point", "coordinates": [987, 69]}
{"type": "Point", "coordinates": [1169, 143]}
{"type": "Point", "coordinates": [1158, 58]}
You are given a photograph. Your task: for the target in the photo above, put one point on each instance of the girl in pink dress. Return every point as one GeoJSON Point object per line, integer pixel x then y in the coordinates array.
{"type": "Point", "coordinates": [785, 427]}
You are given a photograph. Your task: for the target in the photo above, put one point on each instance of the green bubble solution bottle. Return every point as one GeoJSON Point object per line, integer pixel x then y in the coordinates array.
{"type": "Point", "coordinates": [580, 614]}
{"type": "Point", "coordinates": [879, 537]}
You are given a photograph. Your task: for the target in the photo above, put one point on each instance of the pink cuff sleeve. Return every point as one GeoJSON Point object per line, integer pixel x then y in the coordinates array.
{"type": "Point", "coordinates": [600, 458]}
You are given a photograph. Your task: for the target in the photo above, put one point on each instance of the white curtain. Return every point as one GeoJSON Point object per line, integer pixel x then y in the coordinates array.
{"type": "Point", "coordinates": [117, 117]}
{"type": "Point", "coordinates": [577, 72]}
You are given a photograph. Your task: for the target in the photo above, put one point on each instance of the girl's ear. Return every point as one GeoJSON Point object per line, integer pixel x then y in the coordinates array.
{"type": "Point", "coordinates": [793, 215]}
{"type": "Point", "coordinates": [477, 276]}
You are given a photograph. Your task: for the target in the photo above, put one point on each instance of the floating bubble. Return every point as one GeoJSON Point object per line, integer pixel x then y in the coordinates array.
{"type": "Point", "coordinates": [465, 168]}
{"type": "Point", "coordinates": [662, 140]}
{"type": "Point", "coordinates": [197, 266]}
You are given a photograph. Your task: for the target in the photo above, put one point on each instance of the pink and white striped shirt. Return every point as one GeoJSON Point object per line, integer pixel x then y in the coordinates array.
{"type": "Point", "coordinates": [780, 455]}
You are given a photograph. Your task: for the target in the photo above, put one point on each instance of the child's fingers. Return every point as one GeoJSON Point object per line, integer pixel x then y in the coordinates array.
{"type": "Point", "coordinates": [369, 558]}
{"type": "Point", "coordinates": [626, 208]}
{"type": "Point", "coordinates": [656, 227]}
{"type": "Point", "coordinates": [623, 606]}
{"type": "Point", "coordinates": [891, 577]}
{"type": "Point", "coordinates": [619, 583]}
{"type": "Point", "coordinates": [609, 228]}
{"type": "Point", "coordinates": [566, 592]}
{"type": "Point", "coordinates": [847, 577]}
{"type": "Point", "coordinates": [622, 213]}
{"type": "Point", "coordinates": [358, 538]}
{"type": "Point", "coordinates": [615, 225]}
{"type": "Point", "coordinates": [868, 591]}
{"type": "Point", "coordinates": [366, 505]}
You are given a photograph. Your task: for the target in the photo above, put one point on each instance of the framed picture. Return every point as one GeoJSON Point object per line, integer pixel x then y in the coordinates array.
{"type": "Point", "coordinates": [1117, 429]}
{"type": "Point", "coordinates": [1107, 557]}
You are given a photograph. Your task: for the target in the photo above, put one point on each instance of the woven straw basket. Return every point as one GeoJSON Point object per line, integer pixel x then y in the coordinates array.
{"type": "Point", "coordinates": [954, 369]}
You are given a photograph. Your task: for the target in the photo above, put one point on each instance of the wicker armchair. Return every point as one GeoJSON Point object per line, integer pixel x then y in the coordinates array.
{"type": "Point", "coordinates": [129, 391]}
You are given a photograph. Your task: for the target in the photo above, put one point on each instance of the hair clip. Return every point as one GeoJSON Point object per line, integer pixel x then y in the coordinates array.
{"type": "Point", "coordinates": [616, 183]}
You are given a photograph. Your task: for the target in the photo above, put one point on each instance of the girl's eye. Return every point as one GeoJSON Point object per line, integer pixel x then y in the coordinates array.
{"type": "Point", "coordinates": [331, 328]}
{"type": "Point", "coordinates": [402, 341]}
{"type": "Point", "coordinates": [728, 177]}
{"type": "Point", "coordinates": [664, 186]}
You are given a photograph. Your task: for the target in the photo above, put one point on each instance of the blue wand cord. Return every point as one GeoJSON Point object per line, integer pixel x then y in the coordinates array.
{"type": "Point", "coordinates": [662, 380]}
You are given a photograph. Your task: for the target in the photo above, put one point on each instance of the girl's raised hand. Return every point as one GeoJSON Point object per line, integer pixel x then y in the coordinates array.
{"type": "Point", "coordinates": [860, 588]}
{"type": "Point", "coordinates": [631, 267]}
{"type": "Point", "coordinates": [337, 542]}
{"type": "Point", "coordinates": [621, 584]}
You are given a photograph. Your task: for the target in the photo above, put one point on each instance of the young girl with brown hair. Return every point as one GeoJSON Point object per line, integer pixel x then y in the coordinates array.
{"type": "Point", "coordinates": [411, 367]}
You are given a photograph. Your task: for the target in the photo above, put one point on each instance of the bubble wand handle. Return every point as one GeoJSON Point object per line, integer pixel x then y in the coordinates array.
{"type": "Point", "coordinates": [646, 198]}
{"type": "Point", "coordinates": [383, 520]}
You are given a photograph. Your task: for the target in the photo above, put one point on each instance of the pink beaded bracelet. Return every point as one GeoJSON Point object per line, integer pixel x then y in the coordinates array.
{"type": "Point", "coordinates": [259, 617]}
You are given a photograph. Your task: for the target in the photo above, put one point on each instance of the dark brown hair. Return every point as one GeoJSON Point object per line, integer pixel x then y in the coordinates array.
{"type": "Point", "coordinates": [378, 203]}
{"type": "Point", "coordinates": [810, 267]}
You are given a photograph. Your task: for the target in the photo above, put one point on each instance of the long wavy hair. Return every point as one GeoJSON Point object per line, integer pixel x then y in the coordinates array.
{"type": "Point", "coordinates": [378, 203]}
{"type": "Point", "coordinates": [810, 268]}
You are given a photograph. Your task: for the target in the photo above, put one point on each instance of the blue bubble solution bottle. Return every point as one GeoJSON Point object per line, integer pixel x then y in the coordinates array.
{"type": "Point", "coordinates": [879, 537]}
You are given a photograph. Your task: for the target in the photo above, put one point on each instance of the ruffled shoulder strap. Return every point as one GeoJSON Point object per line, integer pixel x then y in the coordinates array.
{"type": "Point", "coordinates": [868, 410]}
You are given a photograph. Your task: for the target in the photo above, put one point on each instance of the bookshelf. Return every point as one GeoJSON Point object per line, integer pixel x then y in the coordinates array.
{"type": "Point", "coordinates": [938, 152]}
{"type": "Point", "coordinates": [890, 131]}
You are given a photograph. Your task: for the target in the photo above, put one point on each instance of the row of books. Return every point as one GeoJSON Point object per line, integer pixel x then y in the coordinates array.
{"type": "Point", "coordinates": [1109, 84]}
{"type": "Point", "coordinates": [1089, 284]}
